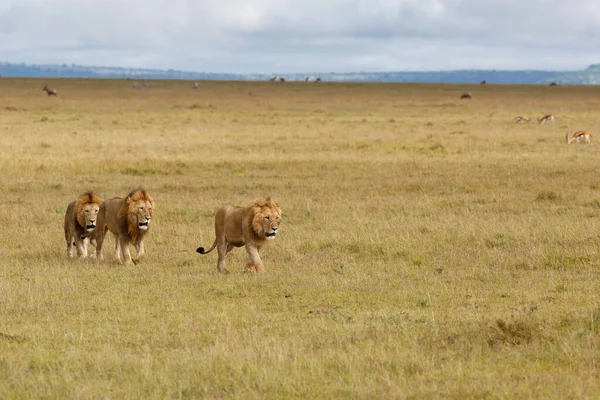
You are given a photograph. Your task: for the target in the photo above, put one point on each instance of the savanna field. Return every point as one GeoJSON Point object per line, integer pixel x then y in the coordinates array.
{"type": "Point", "coordinates": [430, 246]}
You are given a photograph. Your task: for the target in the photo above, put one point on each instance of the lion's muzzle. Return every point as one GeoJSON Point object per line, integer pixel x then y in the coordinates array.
{"type": "Point", "coordinates": [144, 225]}
{"type": "Point", "coordinates": [271, 235]}
{"type": "Point", "coordinates": [90, 227]}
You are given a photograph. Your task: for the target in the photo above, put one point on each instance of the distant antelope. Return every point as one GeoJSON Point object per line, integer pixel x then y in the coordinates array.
{"type": "Point", "coordinates": [135, 85]}
{"type": "Point", "coordinates": [483, 82]}
{"type": "Point", "coordinates": [553, 84]}
{"type": "Point", "coordinates": [195, 85]}
{"type": "Point", "coordinates": [522, 118]}
{"type": "Point", "coordinates": [306, 79]}
{"type": "Point", "coordinates": [546, 118]}
{"type": "Point", "coordinates": [282, 79]}
{"type": "Point", "coordinates": [577, 136]}
{"type": "Point", "coordinates": [272, 79]}
{"type": "Point", "coordinates": [318, 80]}
{"type": "Point", "coordinates": [466, 95]}
{"type": "Point", "coordinates": [51, 92]}
{"type": "Point", "coordinates": [146, 85]}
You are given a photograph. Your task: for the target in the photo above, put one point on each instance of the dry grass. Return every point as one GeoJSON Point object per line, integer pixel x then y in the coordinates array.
{"type": "Point", "coordinates": [430, 248]}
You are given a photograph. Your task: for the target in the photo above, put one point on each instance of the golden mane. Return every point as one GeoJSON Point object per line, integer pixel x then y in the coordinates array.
{"type": "Point", "coordinates": [82, 201]}
{"type": "Point", "coordinates": [127, 218]}
{"type": "Point", "coordinates": [257, 216]}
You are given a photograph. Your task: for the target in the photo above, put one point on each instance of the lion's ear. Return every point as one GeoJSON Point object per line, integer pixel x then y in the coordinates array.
{"type": "Point", "coordinates": [269, 201]}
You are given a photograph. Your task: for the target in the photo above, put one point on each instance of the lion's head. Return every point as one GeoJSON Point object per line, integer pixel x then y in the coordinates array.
{"type": "Point", "coordinates": [137, 211]}
{"type": "Point", "coordinates": [86, 210]}
{"type": "Point", "coordinates": [267, 217]}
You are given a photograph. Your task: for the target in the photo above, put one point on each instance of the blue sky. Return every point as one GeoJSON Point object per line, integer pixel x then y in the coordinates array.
{"type": "Point", "coordinates": [282, 36]}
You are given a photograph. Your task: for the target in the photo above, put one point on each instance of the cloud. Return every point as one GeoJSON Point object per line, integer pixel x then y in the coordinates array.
{"type": "Point", "coordinates": [309, 35]}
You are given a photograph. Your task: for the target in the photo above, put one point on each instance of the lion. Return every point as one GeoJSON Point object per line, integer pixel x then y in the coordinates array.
{"type": "Point", "coordinates": [251, 226]}
{"type": "Point", "coordinates": [129, 220]}
{"type": "Point", "coordinates": [80, 222]}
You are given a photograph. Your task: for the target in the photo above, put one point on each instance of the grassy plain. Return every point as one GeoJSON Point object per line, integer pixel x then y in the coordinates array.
{"type": "Point", "coordinates": [430, 247]}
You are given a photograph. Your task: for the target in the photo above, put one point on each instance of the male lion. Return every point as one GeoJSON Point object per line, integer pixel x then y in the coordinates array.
{"type": "Point", "coordinates": [129, 220]}
{"type": "Point", "coordinates": [80, 221]}
{"type": "Point", "coordinates": [251, 226]}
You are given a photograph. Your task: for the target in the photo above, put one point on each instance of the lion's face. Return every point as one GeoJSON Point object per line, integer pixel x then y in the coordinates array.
{"type": "Point", "coordinates": [267, 219]}
{"type": "Point", "coordinates": [86, 210]}
{"type": "Point", "coordinates": [141, 212]}
{"type": "Point", "coordinates": [89, 215]}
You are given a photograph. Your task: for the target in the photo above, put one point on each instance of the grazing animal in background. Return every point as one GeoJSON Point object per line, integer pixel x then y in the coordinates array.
{"type": "Point", "coordinates": [146, 85]}
{"type": "Point", "coordinates": [272, 79]}
{"type": "Point", "coordinates": [51, 92]}
{"type": "Point", "coordinates": [546, 118]}
{"type": "Point", "coordinates": [250, 226]}
{"type": "Point", "coordinates": [318, 80]}
{"type": "Point", "coordinates": [522, 118]}
{"type": "Point", "coordinates": [553, 84]}
{"type": "Point", "coordinates": [282, 79]}
{"type": "Point", "coordinates": [578, 136]}
{"type": "Point", "coordinates": [483, 82]}
{"type": "Point", "coordinates": [195, 85]}
{"type": "Point", "coordinates": [80, 222]}
{"type": "Point", "coordinates": [135, 85]}
{"type": "Point", "coordinates": [306, 79]}
{"type": "Point", "coordinates": [129, 220]}
{"type": "Point", "coordinates": [466, 95]}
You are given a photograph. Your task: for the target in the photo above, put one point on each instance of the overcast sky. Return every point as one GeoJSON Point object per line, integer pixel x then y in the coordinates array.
{"type": "Point", "coordinates": [279, 36]}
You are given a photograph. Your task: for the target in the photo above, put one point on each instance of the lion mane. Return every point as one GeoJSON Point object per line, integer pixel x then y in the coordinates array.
{"type": "Point", "coordinates": [80, 222]}
{"type": "Point", "coordinates": [129, 220]}
{"type": "Point", "coordinates": [250, 226]}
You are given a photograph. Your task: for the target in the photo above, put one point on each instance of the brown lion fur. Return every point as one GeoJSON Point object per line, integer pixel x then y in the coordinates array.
{"type": "Point", "coordinates": [124, 218]}
{"type": "Point", "coordinates": [248, 226]}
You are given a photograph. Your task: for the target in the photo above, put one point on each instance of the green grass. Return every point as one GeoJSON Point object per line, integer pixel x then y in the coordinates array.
{"type": "Point", "coordinates": [430, 248]}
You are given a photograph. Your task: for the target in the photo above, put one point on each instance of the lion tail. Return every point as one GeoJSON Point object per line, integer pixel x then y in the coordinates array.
{"type": "Point", "coordinates": [202, 251]}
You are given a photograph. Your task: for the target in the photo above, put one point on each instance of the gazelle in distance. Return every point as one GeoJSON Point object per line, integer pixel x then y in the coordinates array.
{"type": "Point", "coordinates": [546, 118]}
{"type": "Point", "coordinates": [577, 136]}
{"type": "Point", "coordinates": [522, 118]}
{"type": "Point", "coordinates": [51, 92]}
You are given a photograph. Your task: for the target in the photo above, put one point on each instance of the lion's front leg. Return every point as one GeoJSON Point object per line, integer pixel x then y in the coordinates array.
{"type": "Point", "coordinates": [84, 244]}
{"type": "Point", "coordinates": [93, 242]}
{"type": "Point", "coordinates": [141, 251]}
{"type": "Point", "coordinates": [81, 245]}
{"type": "Point", "coordinates": [250, 267]}
{"type": "Point", "coordinates": [118, 249]}
{"type": "Point", "coordinates": [126, 252]}
{"type": "Point", "coordinates": [254, 258]}
{"type": "Point", "coordinates": [69, 238]}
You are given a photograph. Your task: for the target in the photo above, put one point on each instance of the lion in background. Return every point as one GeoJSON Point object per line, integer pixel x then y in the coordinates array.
{"type": "Point", "coordinates": [129, 220]}
{"type": "Point", "coordinates": [251, 226]}
{"type": "Point", "coordinates": [80, 222]}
